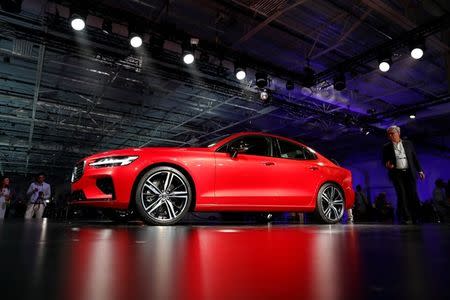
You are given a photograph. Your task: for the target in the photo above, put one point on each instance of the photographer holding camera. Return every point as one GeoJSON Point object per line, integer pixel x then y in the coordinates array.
{"type": "Point", "coordinates": [39, 191]}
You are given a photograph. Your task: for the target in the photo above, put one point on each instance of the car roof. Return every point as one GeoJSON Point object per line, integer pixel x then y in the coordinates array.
{"type": "Point", "coordinates": [245, 133]}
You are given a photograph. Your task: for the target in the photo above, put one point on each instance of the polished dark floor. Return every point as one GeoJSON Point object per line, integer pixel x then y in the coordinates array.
{"type": "Point", "coordinates": [101, 260]}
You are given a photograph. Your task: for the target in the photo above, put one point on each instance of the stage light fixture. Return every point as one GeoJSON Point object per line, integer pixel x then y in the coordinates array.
{"type": "Point", "coordinates": [188, 57]}
{"type": "Point", "coordinates": [107, 26]}
{"type": "Point", "coordinates": [412, 116]}
{"type": "Point", "coordinates": [417, 53]}
{"type": "Point", "coordinates": [77, 22]}
{"type": "Point", "coordinates": [240, 73]}
{"type": "Point", "coordinates": [264, 95]}
{"type": "Point", "coordinates": [385, 61]}
{"type": "Point", "coordinates": [365, 131]}
{"type": "Point", "coordinates": [189, 50]}
{"type": "Point", "coordinates": [384, 65]}
{"type": "Point", "coordinates": [417, 48]}
{"type": "Point", "coordinates": [339, 82]}
{"type": "Point", "coordinates": [261, 79]}
{"type": "Point", "coordinates": [135, 40]}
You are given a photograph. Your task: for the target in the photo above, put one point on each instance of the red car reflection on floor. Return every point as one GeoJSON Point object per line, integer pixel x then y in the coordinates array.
{"type": "Point", "coordinates": [242, 172]}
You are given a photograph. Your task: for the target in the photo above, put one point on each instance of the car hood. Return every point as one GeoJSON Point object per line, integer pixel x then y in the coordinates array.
{"type": "Point", "coordinates": [141, 151]}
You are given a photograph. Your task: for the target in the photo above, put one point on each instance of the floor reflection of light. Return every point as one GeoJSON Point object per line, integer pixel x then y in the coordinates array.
{"type": "Point", "coordinates": [40, 251]}
{"type": "Point", "coordinates": [165, 264]}
{"type": "Point", "coordinates": [106, 233]}
{"type": "Point", "coordinates": [100, 270]}
{"type": "Point", "coordinates": [326, 280]}
{"type": "Point", "coordinates": [157, 255]}
{"type": "Point", "coordinates": [228, 262]}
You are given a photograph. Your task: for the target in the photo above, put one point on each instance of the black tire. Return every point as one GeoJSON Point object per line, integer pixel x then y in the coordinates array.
{"type": "Point", "coordinates": [163, 196]}
{"type": "Point", "coordinates": [330, 203]}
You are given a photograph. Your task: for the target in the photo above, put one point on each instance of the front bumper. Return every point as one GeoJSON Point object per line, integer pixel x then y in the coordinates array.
{"type": "Point", "coordinates": [108, 187]}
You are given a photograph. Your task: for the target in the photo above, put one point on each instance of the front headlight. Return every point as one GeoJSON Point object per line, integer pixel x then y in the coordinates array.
{"type": "Point", "coordinates": [113, 161]}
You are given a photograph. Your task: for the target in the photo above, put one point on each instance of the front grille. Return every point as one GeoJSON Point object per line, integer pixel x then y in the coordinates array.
{"type": "Point", "coordinates": [78, 171]}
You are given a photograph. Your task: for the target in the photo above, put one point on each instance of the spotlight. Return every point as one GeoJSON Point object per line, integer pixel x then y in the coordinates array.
{"type": "Point", "coordinates": [289, 85]}
{"type": "Point", "coordinates": [417, 48]}
{"type": "Point", "coordinates": [416, 53]}
{"type": "Point", "coordinates": [264, 95]}
{"type": "Point", "coordinates": [107, 26]}
{"type": "Point", "coordinates": [261, 79]}
{"type": "Point", "coordinates": [339, 82]}
{"type": "Point", "coordinates": [188, 57]}
{"type": "Point", "coordinates": [240, 73]}
{"type": "Point", "coordinates": [365, 131]}
{"type": "Point", "coordinates": [412, 116]}
{"type": "Point", "coordinates": [135, 40]}
{"type": "Point", "coordinates": [188, 50]}
{"type": "Point", "coordinates": [77, 22]}
{"type": "Point", "coordinates": [384, 66]}
{"type": "Point", "coordinates": [384, 61]}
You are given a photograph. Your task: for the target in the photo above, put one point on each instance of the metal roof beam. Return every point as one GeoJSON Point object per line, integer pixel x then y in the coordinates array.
{"type": "Point", "coordinates": [267, 21]}
{"type": "Point", "coordinates": [35, 98]}
{"type": "Point", "coordinates": [401, 20]}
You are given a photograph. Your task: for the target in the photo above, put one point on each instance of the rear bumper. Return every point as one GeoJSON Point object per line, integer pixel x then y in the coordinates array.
{"type": "Point", "coordinates": [349, 197]}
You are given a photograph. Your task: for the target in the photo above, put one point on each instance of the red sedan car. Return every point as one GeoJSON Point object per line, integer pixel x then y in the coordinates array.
{"type": "Point", "coordinates": [243, 172]}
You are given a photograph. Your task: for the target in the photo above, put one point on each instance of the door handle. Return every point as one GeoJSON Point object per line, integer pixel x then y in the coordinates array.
{"type": "Point", "coordinates": [269, 163]}
{"type": "Point", "coordinates": [314, 168]}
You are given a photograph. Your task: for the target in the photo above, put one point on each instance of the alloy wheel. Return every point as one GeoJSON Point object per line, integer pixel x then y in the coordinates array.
{"type": "Point", "coordinates": [164, 196]}
{"type": "Point", "coordinates": [331, 203]}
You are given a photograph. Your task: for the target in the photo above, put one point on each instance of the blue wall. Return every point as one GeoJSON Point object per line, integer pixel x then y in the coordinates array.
{"type": "Point", "coordinates": [368, 171]}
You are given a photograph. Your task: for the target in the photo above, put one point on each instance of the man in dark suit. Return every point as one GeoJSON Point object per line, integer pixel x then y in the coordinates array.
{"type": "Point", "coordinates": [400, 158]}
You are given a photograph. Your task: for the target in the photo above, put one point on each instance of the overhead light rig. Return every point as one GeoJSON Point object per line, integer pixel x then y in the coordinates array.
{"type": "Point", "coordinates": [373, 54]}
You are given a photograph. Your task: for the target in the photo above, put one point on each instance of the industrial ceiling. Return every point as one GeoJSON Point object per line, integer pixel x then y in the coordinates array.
{"type": "Point", "coordinates": [66, 94]}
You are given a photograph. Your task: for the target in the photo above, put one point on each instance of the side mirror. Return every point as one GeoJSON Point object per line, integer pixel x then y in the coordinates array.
{"type": "Point", "coordinates": [235, 150]}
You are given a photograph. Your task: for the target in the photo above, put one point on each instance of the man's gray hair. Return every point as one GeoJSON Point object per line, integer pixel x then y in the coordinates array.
{"type": "Point", "coordinates": [393, 127]}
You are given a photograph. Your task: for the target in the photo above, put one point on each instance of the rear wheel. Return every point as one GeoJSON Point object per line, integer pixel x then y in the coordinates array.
{"type": "Point", "coordinates": [163, 196]}
{"type": "Point", "coordinates": [330, 204]}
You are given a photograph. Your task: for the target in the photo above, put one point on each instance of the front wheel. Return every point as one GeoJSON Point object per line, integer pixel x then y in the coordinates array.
{"type": "Point", "coordinates": [163, 196]}
{"type": "Point", "coordinates": [330, 204]}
